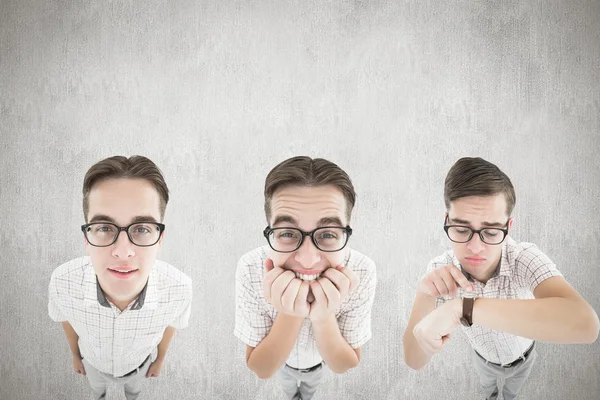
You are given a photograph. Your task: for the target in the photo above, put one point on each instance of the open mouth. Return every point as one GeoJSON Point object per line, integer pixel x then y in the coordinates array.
{"type": "Point", "coordinates": [307, 277]}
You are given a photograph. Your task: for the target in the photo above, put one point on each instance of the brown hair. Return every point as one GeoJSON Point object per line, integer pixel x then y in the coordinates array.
{"type": "Point", "coordinates": [119, 167]}
{"type": "Point", "coordinates": [306, 171]}
{"type": "Point", "coordinates": [477, 177]}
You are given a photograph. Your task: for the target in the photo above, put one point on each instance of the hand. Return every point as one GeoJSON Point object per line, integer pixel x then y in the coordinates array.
{"type": "Point", "coordinates": [154, 369]}
{"type": "Point", "coordinates": [433, 331]}
{"type": "Point", "coordinates": [330, 290]}
{"type": "Point", "coordinates": [444, 280]}
{"type": "Point", "coordinates": [78, 366]}
{"type": "Point", "coordinates": [286, 293]}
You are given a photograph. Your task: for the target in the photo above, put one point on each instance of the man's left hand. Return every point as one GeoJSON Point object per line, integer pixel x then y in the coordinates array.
{"type": "Point", "coordinates": [330, 290]}
{"type": "Point", "coordinates": [433, 331]}
{"type": "Point", "coordinates": [154, 370]}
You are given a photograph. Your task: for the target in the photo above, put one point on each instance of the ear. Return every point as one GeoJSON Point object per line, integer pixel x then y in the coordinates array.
{"type": "Point", "coordinates": [510, 223]}
{"type": "Point", "coordinates": [87, 246]}
{"type": "Point", "coordinates": [162, 236]}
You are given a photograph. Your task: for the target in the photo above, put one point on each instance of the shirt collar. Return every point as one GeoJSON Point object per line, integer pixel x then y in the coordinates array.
{"type": "Point", "coordinates": [505, 269]}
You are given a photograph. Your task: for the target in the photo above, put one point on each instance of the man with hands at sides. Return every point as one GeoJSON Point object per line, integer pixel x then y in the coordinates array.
{"type": "Point", "coordinates": [120, 306]}
{"type": "Point", "coordinates": [305, 299]}
{"type": "Point", "coordinates": [509, 294]}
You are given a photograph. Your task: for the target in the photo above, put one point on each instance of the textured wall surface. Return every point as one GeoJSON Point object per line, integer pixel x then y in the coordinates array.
{"type": "Point", "coordinates": [217, 93]}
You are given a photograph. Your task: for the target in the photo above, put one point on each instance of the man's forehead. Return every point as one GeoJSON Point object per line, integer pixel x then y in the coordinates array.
{"type": "Point", "coordinates": [477, 209]}
{"type": "Point", "coordinates": [123, 200]}
{"type": "Point", "coordinates": [309, 202]}
{"type": "Point", "coordinates": [302, 197]}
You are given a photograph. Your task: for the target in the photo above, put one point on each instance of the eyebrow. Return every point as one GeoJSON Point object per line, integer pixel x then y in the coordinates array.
{"type": "Point", "coordinates": [328, 221]}
{"type": "Point", "coordinates": [485, 223]}
{"type": "Point", "coordinates": [325, 221]}
{"type": "Point", "coordinates": [136, 219]}
{"type": "Point", "coordinates": [285, 218]}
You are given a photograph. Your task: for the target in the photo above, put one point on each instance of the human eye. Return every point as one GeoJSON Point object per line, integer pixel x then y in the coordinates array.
{"type": "Point", "coordinates": [328, 234]}
{"type": "Point", "coordinates": [491, 233]}
{"type": "Point", "coordinates": [103, 228]}
{"type": "Point", "coordinates": [462, 230]}
{"type": "Point", "coordinates": [286, 234]}
{"type": "Point", "coordinates": [141, 229]}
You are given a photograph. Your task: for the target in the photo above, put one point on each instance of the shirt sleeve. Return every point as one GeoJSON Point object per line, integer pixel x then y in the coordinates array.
{"type": "Point", "coordinates": [53, 307]}
{"type": "Point", "coordinates": [535, 267]}
{"type": "Point", "coordinates": [252, 321]}
{"type": "Point", "coordinates": [183, 319]}
{"type": "Point", "coordinates": [355, 321]}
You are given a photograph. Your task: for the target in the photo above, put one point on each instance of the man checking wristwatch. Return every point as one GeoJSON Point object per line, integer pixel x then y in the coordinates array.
{"type": "Point", "coordinates": [510, 294]}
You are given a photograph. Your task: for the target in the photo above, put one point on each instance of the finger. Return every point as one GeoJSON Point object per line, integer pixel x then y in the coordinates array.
{"type": "Point", "coordinates": [426, 347]}
{"type": "Point", "coordinates": [301, 305]}
{"type": "Point", "coordinates": [318, 293]}
{"type": "Point", "coordinates": [428, 288]}
{"type": "Point", "coordinates": [310, 298]}
{"type": "Point", "coordinates": [268, 280]}
{"type": "Point", "coordinates": [449, 281]}
{"type": "Point", "coordinates": [268, 265]}
{"type": "Point", "coordinates": [460, 278]}
{"type": "Point", "coordinates": [279, 286]}
{"type": "Point", "coordinates": [333, 295]}
{"type": "Point", "coordinates": [354, 281]}
{"type": "Point", "coordinates": [288, 298]}
{"type": "Point", "coordinates": [440, 286]}
{"type": "Point", "coordinates": [339, 279]}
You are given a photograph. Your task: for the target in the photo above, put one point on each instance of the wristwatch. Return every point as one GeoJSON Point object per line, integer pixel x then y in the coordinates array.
{"type": "Point", "coordinates": [467, 309]}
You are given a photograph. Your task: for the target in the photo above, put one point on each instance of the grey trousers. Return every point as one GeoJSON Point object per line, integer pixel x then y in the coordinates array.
{"type": "Point", "coordinates": [299, 385]}
{"type": "Point", "coordinates": [132, 384]}
{"type": "Point", "coordinates": [514, 377]}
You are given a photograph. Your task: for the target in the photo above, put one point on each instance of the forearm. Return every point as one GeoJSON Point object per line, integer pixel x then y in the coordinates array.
{"type": "Point", "coordinates": [550, 319]}
{"type": "Point", "coordinates": [270, 354]}
{"type": "Point", "coordinates": [336, 352]}
{"type": "Point", "coordinates": [163, 346]}
{"type": "Point", "coordinates": [414, 356]}
{"type": "Point", "coordinates": [72, 338]}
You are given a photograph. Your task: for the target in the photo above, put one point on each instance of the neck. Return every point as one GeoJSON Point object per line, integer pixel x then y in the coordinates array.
{"type": "Point", "coordinates": [489, 274]}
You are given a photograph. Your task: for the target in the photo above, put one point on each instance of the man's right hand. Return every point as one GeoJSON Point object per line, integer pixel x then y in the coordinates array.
{"type": "Point", "coordinates": [286, 293]}
{"type": "Point", "coordinates": [78, 366]}
{"type": "Point", "coordinates": [444, 281]}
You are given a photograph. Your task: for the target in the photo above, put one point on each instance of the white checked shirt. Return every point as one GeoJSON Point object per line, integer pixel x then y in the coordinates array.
{"type": "Point", "coordinates": [254, 316]}
{"type": "Point", "coordinates": [113, 341]}
{"type": "Point", "coordinates": [522, 267]}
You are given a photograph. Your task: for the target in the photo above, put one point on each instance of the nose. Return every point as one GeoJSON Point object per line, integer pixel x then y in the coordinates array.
{"type": "Point", "coordinates": [475, 245]}
{"type": "Point", "coordinates": [308, 254]}
{"type": "Point", "coordinates": [123, 248]}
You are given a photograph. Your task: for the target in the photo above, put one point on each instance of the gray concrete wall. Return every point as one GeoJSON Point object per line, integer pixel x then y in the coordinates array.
{"type": "Point", "coordinates": [218, 93]}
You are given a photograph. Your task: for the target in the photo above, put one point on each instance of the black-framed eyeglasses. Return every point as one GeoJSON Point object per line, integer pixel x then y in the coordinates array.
{"type": "Point", "coordinates": [462, 234]}
{"type": "Point", "coordinates": [104, 234]}
{"type": "Point", "coordinates": [325, 238]}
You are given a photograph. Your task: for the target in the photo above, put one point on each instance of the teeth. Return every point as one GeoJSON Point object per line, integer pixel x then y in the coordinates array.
{"type": "Point", "coordinates": [306, 277]}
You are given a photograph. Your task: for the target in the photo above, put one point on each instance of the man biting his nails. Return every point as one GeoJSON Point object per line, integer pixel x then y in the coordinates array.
{"type": "Point", "coordinates": [304, 300]}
